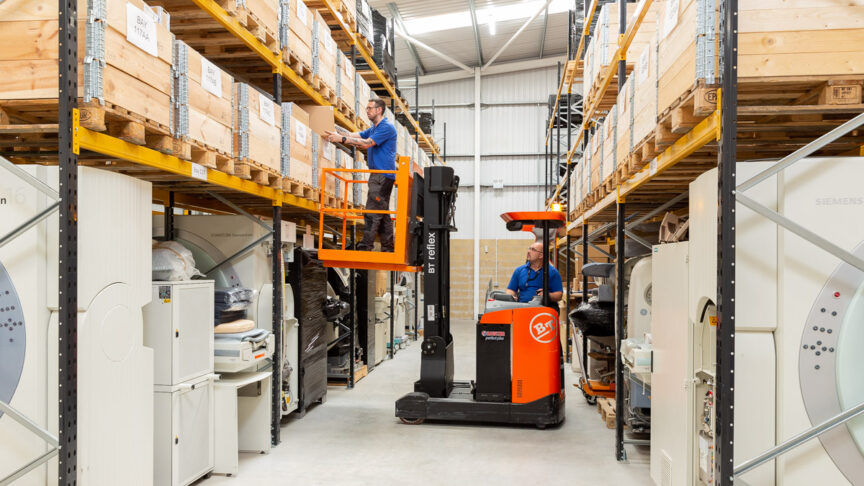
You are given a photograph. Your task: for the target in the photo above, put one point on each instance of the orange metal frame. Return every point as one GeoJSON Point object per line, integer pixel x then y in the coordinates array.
{"type": "Point", "coordinates": [369, 260]}
{"type": "Point", "coordinates": [595, 388]}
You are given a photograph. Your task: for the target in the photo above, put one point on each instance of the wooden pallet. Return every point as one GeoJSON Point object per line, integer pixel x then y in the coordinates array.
{"type": "Point", "coordinates": [261, 32]}
{"type": "Point", "coordinates": [297, 188]}
{"type": "Point", "coordinates": [203, 154]}
{"type": "Point", "coordinates": [257, 173]}
{"type": "Point", "coordinates": [298, 66]}
{"type": "Point", "coordinates": [346, 110]}
{"type": "Point", "coordinates": [330, 201]}
{"type": "Point", "coordinates": [325, 91]}
{"type": "Point", "coordinates": [29, 127]}
{"type": "Point", "coordinates": [606, 409]}
{"type": "Point", "coordinates": [610, 97]}
{"type": "Point", "coordinates": [359, 374]}
{"type": "Point", "coordinates": [372, 80]}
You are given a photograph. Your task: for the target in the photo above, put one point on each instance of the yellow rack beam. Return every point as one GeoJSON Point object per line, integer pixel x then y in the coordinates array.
{"type": "Point", "coordinates": [120, 149]}
{"type": "Point", "coordinates": [706, 131]}
{"type": "Point", "coordinates": [275, 61]}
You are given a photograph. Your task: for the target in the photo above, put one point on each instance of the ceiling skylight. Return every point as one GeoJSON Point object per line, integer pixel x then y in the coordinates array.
{"type": "Point", "coordinates": [489, 15]}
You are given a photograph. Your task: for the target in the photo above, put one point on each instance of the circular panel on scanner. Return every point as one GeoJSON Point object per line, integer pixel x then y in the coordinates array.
{"type": "Point", "coordinates": [829, 365]}
{"type": "Point", "coordinates": [206, 257]}
{"type": "Point", "coordinates": [110, 316]}
{"type": "Point", "coordinates": [13, 337]}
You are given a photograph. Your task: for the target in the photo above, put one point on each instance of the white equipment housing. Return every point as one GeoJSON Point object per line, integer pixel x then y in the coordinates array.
{"type": "Point", "coordinates": [636, 349]}
{"type": "Point", "coordinates": [798, 333]}
{"type": "Point", "coordinates": [115, 370]}
{"type": "Point", "coordinates": [214, 238]}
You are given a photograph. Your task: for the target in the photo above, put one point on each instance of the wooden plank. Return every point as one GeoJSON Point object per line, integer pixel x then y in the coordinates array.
{"type": "Point", "coordinates": [36, 128]}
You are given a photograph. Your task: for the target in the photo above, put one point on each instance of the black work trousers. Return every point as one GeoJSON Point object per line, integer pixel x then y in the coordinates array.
{"type": "Point", "coordinates": [378, 198]}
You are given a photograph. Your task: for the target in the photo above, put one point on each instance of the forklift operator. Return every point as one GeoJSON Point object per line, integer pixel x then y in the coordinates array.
{"type": "Point", "coordinates": [380, 142]}
{"type": "Point", "coordinates": [527, 280]}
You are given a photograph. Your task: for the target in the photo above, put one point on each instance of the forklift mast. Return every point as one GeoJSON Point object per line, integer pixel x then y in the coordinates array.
{"type": "Point", "coordinates": [438, 192]}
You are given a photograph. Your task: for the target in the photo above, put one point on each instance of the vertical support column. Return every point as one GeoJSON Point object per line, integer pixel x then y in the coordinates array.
{"type": "Point", "coordinates": [620, 329]}
{"type": "Point", "coordinates": [168, 232]}
{"type": "Point", "coordinates": [352, 288]}
{"type": "Point", "coordinates": [278, 286]}
{"type": "Point", "coordinates": [392, 316]}
{"type": "Point", "coordinates": [585, 240]}
{"type": "Point", "coordinates": [557, 110]}
{"type": "Point", "coordinates": [477, 149]}
{"type": "Point", "coordinates": [724, 429]}
{"type": "Point", "coordinates": [444, 157]}
{"type": "Point", "coordinates": [620, 257]}
{"type": "Point", "coordinates": [68, 241]}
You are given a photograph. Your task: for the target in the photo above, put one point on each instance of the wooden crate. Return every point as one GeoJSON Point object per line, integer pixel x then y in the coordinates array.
{"type": "Point", "coordinates": [623, 139]}
{"type": "Point", "coordinates": [644, 79]}
{"type": "Point", "coordinates": [296, 144]}
{"type": "Point", "coordinates": [128, 94]}
{"type": "Point", "coordinates": [203, 108]}
{"type": "Point", "coordinates": [325, 157]}
{"type": "Point", "coordinates": [346, 82]}
{"type": "Point", "coordinates": [606, 43]}
{"type": "Point", "coordinates": [257, 133]}
{"type": "Point", "coordinates": [324, 51]}
{"type": "Point", "coordinates": [297, 37]}
{"type": "Point", "coordinates": [610, 144]}
{"type": "Point", "coordinates": [597, 153]}
{"type": "Point", "coordinates": [263, 19]}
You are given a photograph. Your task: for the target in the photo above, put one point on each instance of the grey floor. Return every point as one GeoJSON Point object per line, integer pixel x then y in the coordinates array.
{"type": "Point", "coordinates": [354, 439]}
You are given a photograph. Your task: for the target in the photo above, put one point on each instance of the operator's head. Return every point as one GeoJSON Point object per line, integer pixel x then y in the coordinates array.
{"type": "Point", "coordinates": [375, 110]}
{"type": "Point", "coordinates": [535, 253]}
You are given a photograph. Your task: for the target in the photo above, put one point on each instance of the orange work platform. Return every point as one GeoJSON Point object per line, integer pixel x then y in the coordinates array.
{"type": "Point", "coordinates": [342, 257]}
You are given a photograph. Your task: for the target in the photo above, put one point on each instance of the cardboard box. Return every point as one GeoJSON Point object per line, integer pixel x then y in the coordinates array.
{"type": "Point", "coordinates": [135, 75]}
{"type": "Point", "coordinates": [364, 94]}
{"type": "Point", "coordinates": [203, 101]}
{"type": "Point", "coordinates": [320, 118]}
{"type": "Point", "coordinates": [257, 128]}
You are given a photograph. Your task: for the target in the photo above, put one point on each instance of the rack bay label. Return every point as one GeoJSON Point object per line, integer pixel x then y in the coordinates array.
{"type": "Point", "coordinates": [211, 81]}
{"type": "Point", "coordinates": [141, 29]}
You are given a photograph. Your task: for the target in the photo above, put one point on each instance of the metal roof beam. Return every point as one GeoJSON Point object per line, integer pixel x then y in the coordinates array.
{"type": "Point", "coordinates": [476, 32]}
{"type": "Point", "coordinates": [518, 32]}
{"type": "Point", "coordinates": [397, 17]}
{"type": "Point", "coordinates": [543, 35]}
{"type": "Point", "coordinates": [401, 33]}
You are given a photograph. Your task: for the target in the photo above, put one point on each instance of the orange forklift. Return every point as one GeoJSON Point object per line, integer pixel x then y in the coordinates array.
{"type": "Point", "coordinates": [520, 366]}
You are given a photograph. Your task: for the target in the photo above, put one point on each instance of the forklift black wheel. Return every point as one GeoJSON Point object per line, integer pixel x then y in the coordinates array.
{"type": "Point", "coordinates": [410, 421]}
{"type": "Point", "coordinates": [592, 400]}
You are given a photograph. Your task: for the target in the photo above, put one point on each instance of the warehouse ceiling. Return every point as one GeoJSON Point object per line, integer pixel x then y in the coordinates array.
{"type": "Point", "coordinates": [449, 27]}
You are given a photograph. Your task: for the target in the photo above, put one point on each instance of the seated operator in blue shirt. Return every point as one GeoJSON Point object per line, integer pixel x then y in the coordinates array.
{"type": "Point", "coordinates": [380, 143]}
{"type": "Point", "coordinates": [527, 280]}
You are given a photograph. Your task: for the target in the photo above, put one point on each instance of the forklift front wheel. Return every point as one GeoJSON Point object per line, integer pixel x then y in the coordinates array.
{"type": "Point", "coordinates": [409, 421]}
{"type": "Point", "coordinates": [591, 399]}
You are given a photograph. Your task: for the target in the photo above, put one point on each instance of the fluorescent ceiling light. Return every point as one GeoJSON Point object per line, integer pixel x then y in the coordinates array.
{"type": "Point", "coordinates": [489, 15]}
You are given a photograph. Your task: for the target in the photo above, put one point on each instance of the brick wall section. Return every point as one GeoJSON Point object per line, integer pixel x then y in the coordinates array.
{"type": "Point", "coordinates": [498, 259]}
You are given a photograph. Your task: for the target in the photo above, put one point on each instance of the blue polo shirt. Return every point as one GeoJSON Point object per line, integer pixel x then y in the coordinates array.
{"type": "Point", "coordinates": [526, 282]}
{"type": "Point", "coordinates": [381, 156]}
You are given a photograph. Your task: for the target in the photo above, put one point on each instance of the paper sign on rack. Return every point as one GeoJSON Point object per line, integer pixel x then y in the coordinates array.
{"type": "Point", "coordinates": [300, 133]}
{"type": "Point", "coordinates": [670, 17]}
{"type": "Point", "coordinates": [211, 80]}
{"type": "Point", "coordinates": [141, 29]}
{"type": "Point", "coordinates": [199, 171]}
{"type": "Point", "coordinates": [266, 109]}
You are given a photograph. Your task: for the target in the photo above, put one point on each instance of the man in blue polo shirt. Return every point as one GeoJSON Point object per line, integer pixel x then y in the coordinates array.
{"type": "Point", "coordinates": [380, 144]}
{"type": "Point", "coordinates": [527, 280]}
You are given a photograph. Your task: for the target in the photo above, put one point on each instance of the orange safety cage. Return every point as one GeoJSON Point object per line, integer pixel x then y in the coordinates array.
{"type": "Point", "coordinates": [341, 257]}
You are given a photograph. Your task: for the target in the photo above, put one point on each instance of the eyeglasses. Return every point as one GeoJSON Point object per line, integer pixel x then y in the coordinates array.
{"type": "Point", "coordinates": [534, 249]}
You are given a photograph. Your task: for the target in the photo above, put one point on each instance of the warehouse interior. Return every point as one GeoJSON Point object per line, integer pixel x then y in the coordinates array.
{"type": "Point", "coordinates": [350, 242]}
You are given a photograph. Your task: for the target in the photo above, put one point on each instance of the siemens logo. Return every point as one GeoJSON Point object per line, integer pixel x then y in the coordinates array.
{"type": "Point", "coordinates": [839, 201]}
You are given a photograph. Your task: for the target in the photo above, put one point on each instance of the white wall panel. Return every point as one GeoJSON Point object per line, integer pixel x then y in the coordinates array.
{"type": "Point", "coordinates": [492, 203]}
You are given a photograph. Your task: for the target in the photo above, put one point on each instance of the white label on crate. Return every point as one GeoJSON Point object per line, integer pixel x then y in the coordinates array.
{"type": "Point", "coordinates": [199, 171]}
{"type": "Point", "coordinates": [141, 29]}
{"type": "Point", "coordinates": [303, 12]}
{"type": "Point", "coordinates": [430, 312]}
{"type": "Point", "coordinates": [266, 109]}
{"type": "Point", "coordinates": [670, 17]}
{"type": "Point", "coordinates": [349, 69]}
{"type": "Point", "coordinates": [211, 78]}
{"type": "Point", "coordinates": [300, 133]}
{"type": "Point", "coordinates": [329, 45]}
{"type": "Point", "coordinates": [652, 167]}
{"type": "Point", "coordinates": [327, 150]}
{"type": "Point", "coordinates": [644, 65]}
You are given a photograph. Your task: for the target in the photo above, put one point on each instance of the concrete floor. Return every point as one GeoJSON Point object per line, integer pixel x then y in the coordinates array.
{"type": "Point", "coordinates": [354, 439]}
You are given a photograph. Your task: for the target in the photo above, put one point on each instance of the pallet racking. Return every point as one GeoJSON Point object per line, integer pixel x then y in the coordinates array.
{"type": "Point", "coordinates": [179, 183]}
{"type": "Point", "coordinates": [739, 121]}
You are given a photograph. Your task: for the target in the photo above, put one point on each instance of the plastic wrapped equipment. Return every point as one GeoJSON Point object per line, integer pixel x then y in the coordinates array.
{"type": "Point", "coordinates": [173, 262]}
{"type": "Point", "coordinates": [595, 318]}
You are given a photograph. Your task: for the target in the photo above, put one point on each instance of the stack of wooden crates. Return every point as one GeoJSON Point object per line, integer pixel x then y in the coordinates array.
{"type": "Point", "coordinates": [673, 65]}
